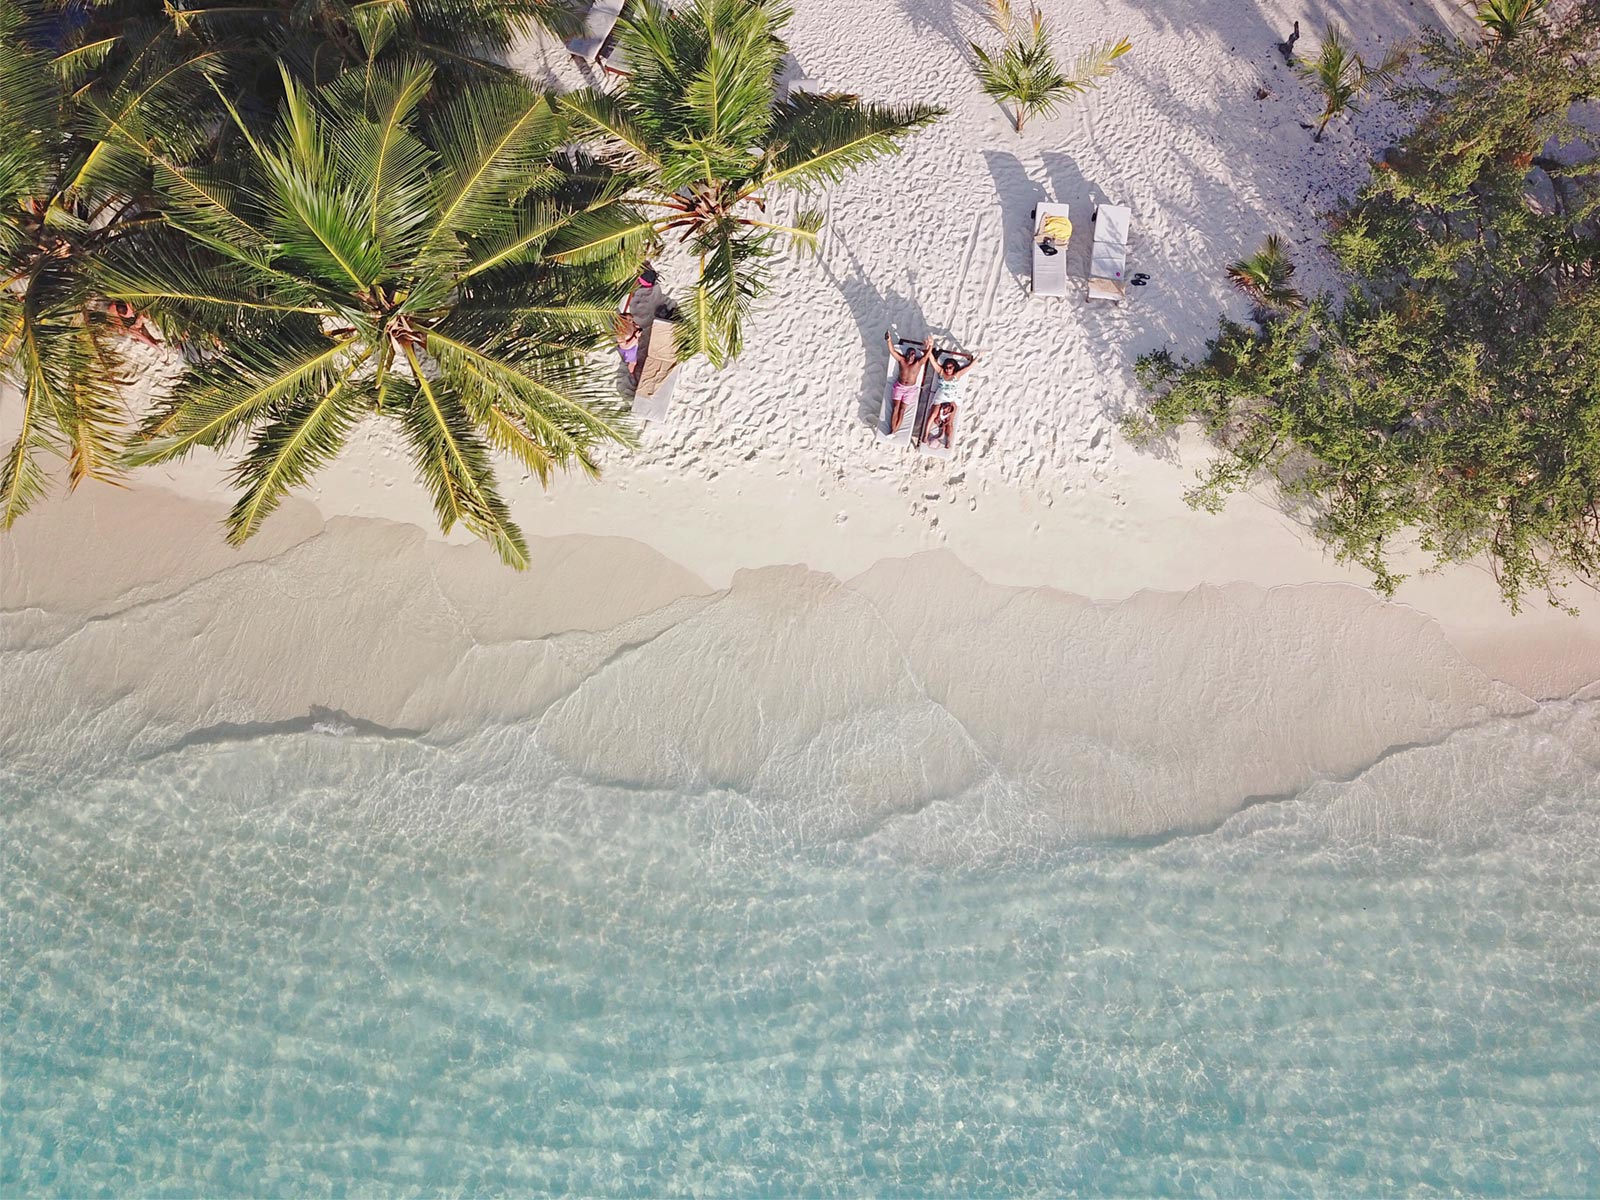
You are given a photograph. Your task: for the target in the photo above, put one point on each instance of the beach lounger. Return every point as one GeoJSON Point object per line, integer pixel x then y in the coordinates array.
{"type": "Point", "coordinates": [925, 414]}
{"type": "Point", "coordinates": [1052, 231]}
{"type": "Point", "coordinates": [913, 412]}
{"type": "Point", "coordinates": [1108, 261]}
{"type": "Point", "coordinates": [658, 371]}
{"type": "Point", "coordinates": [656, 374]}
{"type": "Point", "coordinates": [602, 18]}
{"type": "Point", "coordinates": [612, 59]}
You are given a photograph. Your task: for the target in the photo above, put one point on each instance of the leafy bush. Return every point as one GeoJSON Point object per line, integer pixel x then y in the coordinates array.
{"type": "Point", "coordinates": [1453, 399]}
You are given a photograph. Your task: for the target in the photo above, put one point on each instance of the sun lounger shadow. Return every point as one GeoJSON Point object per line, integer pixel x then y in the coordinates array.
{"type": "Point", "coordinates": [1018, 195]}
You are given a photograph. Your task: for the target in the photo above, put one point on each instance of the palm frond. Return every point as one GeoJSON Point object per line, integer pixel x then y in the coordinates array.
{"type": "Point", "coordinates": [453, 462]}
{"type": "Point", "coordinates": [371, 133]}
{"type": "Point", "coordinates": [305, 435]}
{"type": "Point", "coordinates": [546, 229]}
{"type": "Point", "coordinates": [805, 229]}
{"type": "Point", "coordinates": [601, 113]}
{"type": "Point", "coordinates": [1002, 16]}
{"type": "Point", "coordinates": [820, 139]}
{"type": "Point", "coordinates": [551, 396]}
{"type": "Point", "coordinates": [254, 378]}
{"type": "Point", "coordinates": [494, 143]}
{"type": "Point", "coordinates": [1264, 276]}
{"type": "Point", "coordinates": [1097, 63]}
{"type": "Point", "coordinates": [733, 275]}
{"type": "Point", "coordinates": [22, 476]}
{"type": "Point", "coordinates": [30, 129]}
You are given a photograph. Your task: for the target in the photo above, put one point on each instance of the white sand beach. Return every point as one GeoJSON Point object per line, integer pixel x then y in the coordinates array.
{"type": "Point", "coordinates": [1060, 542]}
{"type": "Point", "coordinates": [812, 815]}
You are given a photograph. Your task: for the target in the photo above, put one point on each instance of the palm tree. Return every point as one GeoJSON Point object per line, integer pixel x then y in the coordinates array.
{"type": "Point", "coordinates": [1342, 77]}
{"type": "Point", "coordinates": [1264, 277]}
{"type": "Point", "coordinates": [71, 191]}
{"type": "Point", "coordinates": [707, 142]}
{"type": "Point", "coordinates": [1024, 72]}
{"type": "Point", "coordinates": [319, 38]}
{"type": "Point", "coordinates": [443, 271]}
{"type": "Point", "coordinates": [1506, 20]}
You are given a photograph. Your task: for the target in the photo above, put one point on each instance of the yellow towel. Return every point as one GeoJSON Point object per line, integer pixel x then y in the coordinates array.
{"type": "Point", "coordinates": [1059, 228]}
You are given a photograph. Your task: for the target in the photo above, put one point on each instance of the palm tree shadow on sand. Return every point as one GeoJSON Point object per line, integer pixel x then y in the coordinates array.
{"type": "Point", "coordinates": [875, 313]}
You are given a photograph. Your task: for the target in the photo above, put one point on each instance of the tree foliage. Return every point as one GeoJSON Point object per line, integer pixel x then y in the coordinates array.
{"type": "Point", "coordinates": [78, 122]}
{"type": "Point", "coordinates": [708, 143]}
{"type": "Point", "coordinates": [1342, 77]}
{"type": "Point", "coordinates": [1024, 73]}
{"type": "Point", "coordinates": [1453, 399]}
{"type": "Point", "coordinates": [439, 269]}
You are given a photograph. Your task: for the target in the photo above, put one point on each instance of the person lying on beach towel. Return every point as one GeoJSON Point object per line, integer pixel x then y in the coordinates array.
{"type": "Point", "coordinates": [909, 383]}
{"type": "Point", "coordinates": [132, 322]}
{"type": "Point", "coordinates": [947, 382]}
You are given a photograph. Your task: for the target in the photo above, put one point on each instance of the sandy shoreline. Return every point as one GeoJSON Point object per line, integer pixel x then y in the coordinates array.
{"type": "Point", "coordinates": [916, 681]}
{"type": "Point", "coordinates": [772, 463]}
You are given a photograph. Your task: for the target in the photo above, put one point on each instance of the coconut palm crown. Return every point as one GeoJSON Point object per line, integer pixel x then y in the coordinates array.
{"type": "Point", "coordinates": [1341, 76]}
{"type": "Point", "coordinates": [1023, 71]}
{"type": "Point", "coordinates": [1506, 20]}
{"type": "Point", "coordinates": [1265, 276]}
{"type": "Point", "coordinates": [441, 273]}
{"type": "Point", "coordinates": [71, 190]}
{"type": "Point", "coordinates": [709, 142]}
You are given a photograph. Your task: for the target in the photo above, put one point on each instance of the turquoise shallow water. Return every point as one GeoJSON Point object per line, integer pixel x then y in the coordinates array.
{"type": "Point", "coordinates": [311, 964]}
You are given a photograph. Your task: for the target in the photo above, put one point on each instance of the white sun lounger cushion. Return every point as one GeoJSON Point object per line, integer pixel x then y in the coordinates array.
{"type": "Point", "coordinates": [1049, 270]}
{"type": "Point", "coordinates": [597, 26]}
{"type": "Point", "coordinates": [1108, 260]}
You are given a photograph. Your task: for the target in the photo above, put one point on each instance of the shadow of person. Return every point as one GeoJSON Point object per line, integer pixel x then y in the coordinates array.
{"type": "Point", "coordinates": [1068, 182]}
{"type": "Point", "coordinates": [875, 313]}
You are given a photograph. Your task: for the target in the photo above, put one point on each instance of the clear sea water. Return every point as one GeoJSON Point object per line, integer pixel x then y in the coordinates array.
{"type": "Point", "coordinates": [308, 964]}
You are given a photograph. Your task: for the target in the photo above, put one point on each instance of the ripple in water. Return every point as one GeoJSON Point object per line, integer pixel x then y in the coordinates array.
{"type": "Point", "coordinates": [301, 964]}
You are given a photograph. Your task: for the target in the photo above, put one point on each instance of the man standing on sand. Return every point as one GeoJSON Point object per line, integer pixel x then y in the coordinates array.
{"type": "Point", "coordinates": [905, 388]}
